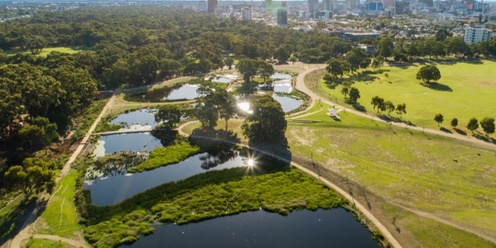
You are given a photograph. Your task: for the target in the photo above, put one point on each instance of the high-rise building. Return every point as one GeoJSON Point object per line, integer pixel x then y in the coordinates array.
{"type": "Point", "coordinates": [312, 6]}
{"type": "Point", "coordinates": [212, 4]}
{"type": "Point", "coordinates": [475, 35]}
{"type": "Point", "coordinates": [327, 4]}
{"type": "Point", "coordinates": [282, 17]}
{"type": "Point", "coordinates": [246, 13]}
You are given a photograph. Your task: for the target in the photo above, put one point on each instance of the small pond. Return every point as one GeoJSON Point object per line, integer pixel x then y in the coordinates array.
{"type": "Point", "coordinates": [287, 103]}
{"type": "Point", "coordinates": [143, 117]}
{"type": "Point", "coordinates": [321, 228]}
{"type": "Point", "coordinates": [131, 142]}
{"type": "Point", "coordinates": [224, 80]}
{"type": "Point", "coordinates": [283, 86]}
{"type": "Point", "coordinates": [114, 189]}
{"type": "Point", "coordinates": [187, 91]}
{"type": "Point", "coordinates": [280, 75]}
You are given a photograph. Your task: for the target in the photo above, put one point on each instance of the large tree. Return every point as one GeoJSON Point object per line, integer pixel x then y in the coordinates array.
{"type": "Point", "coordinates": [267, 123]}
{"type": "Point", "coordinates": [439, 119]}
{"type": "Point", "coordinates": [473, 124]}
{"type": "Point", "coordinates": [168, 116]}
{"type": "Point", "coordinates": [428, 73]}
{"type": "Point", "coordinates": [487, 125]}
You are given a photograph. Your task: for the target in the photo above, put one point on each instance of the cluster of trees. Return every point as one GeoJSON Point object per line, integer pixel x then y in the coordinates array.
{"type": "Point", "coordinates": [251, 67]}
{"type": "Point", "coordinates": [382, 105]}
{"type": "Point", "coordinates": [487, 123]}
{"type": "Point", "coordinates": [351, 94]}
{"type": "Point", "coordinates": [350, 62]}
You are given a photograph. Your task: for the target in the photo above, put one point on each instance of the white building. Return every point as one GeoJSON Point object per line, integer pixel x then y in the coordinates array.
{"type": "Point", "coordinates": [246, 13]}
{"type": "Point", "coordinates": [474, 35]}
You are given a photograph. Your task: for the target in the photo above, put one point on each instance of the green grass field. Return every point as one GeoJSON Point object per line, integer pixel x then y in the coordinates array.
{"type": "Point", "coordinates": [465, 90]}
{"type": "Point", "coordinates": [410, 168]}
{"type": "Point", "coordinates": [60, 216]}
{"type": "Point", "coordinates": [45, 51]}
{"type": "Point", "coordinates": [36, 243]}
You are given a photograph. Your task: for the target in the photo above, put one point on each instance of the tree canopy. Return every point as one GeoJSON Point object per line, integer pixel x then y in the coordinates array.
{"type": "Point", "coordinates": [267, 123]}
{"type": "Point", "coordinates": [428, 73]}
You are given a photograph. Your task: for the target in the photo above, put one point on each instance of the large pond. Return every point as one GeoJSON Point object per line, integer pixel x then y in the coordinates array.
{"type": "Point", "coordinates": [287, 103]}
{"type": "Point", "coordinates": [321, 228]}
{"type": "Point", "coordinates": [143, 117]}
{"type": "Point", "coordinates": [187, 91]}
{"type": "Point", "coordinates": [281, 75]}
{"type": "Point", "coordinates": [131, 142]}
{"type": "Point", "coordinates": [283, 86]}
{"type": "Point", "coordinates": [114, 189]}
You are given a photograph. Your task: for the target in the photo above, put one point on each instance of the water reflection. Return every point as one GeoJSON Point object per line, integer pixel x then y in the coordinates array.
{"type": "Point", "coordinates": [116, 188]}
{"type": "Point", "coordinates": [131, 142]}
{"type": "Point", "coordinates": [287, 103]}
{"type": "Point", "coordinates": [143, 117]}
{"type": "Point", "coordinates": [321, 228]}
{"type": "Point", "coordinates": [187, 91]}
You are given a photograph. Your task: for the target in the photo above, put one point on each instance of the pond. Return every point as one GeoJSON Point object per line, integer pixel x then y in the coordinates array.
{"type": "Point", "coordinates": [187, 91]}
{"type": "Point", "coordinates": [143, 117]}
{"type": "Point", "coordinates": [283, 86]}
{"type": "Point", "coordinates": [224, 80]}
{"type": "Point", "coordinates": [287, 103]}
{"type": "Point", "coordinates": [114, 189]}
{"type": "Point", "coordinates": [321, 228]}
{"type": "Point", "coordinates": [131, 142]}
{"type": "Point", "coordinates": [280, 75]}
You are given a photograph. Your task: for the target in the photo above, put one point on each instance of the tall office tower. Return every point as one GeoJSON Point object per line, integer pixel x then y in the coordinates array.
{"type": "Point", "coordinates": [268, 4]}
{"type": "Point", "coordinates": [327, 4]}
{"type": "Point", "coordinates": [475, 35]}
{"type": "Point", "coordinates": [282, 17]}
{"type": "Point", "coordinates": [212, 4]}
{"type": "Point", "coordinates": [246, 13]}
{"type": "Point", "coordinates": [312, 6]}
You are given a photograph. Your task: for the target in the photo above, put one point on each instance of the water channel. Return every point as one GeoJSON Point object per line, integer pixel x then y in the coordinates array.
{"type": "Point", "coordinates": [321, 228]}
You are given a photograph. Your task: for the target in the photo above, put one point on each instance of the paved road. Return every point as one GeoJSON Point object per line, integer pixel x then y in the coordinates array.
{"type": "Point", "coordinates": [300, 85]}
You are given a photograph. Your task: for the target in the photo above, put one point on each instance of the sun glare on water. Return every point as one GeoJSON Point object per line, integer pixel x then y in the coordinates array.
{"type": "Point", "coordinates": [250, 162]}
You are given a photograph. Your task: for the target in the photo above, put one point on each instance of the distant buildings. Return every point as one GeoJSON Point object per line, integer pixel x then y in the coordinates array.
{"type": "Point", "coordinates": [312, 6]}
{"type": "Point", "coordinates": [282, 17]}
{"type": "Point", "coordinates": [212, 4]}
{"type": "Point", "coordinates": [246, 13]}
{"type": "Point", "coordinates": [475, 35]}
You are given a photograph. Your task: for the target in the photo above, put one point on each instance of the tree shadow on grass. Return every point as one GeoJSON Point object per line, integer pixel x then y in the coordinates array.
{"type": "Point", "coordinates": [459, 131]}
{"type": "Point", "coordinates": [485, 138]}
{"type": "Point", "coordinates": [359, 107]}
{"type": "Point", "coordinates": [11, 223]}
{"type": "Point", "coordinates": [388, 118]}
{"type": "Point", "coordinates": [437, 86]}
{"type": "Point", "coordinates": [445, 130]}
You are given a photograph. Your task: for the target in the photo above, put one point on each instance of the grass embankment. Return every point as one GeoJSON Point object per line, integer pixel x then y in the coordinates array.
{"type": "Point", "coordinates": [60, 216]}
{"type": "Point", "coordinates": [163, 156]}
{"type": "Point", "coordinates": [450, 179]}
{"type": "Point", "coordinates": [12, 217]}
{"type": "Point", "coordinates": [205, 196]}
{"type": "Point", "coordinates": [464, 91]}
{"type": "Point", "coordinates": [36, 243]}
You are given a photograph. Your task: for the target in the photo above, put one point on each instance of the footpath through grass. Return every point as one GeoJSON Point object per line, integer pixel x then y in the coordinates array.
{"type": "Point", "coordinates": [60, 216]}
{"type": "Point", "coordinates": [442, 176]}
{"type": "Point", "coordinates": [465, 90]}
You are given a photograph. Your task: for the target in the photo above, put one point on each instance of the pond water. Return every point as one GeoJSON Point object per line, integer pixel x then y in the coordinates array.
{"type": "Point", "coordinates": [114, 189]}
{"type": "Point", "coordinates": [131, 142]}
{"type": "Point", "coordinates": [283, 86]}
{"type": "Point", "coordinates": [224, 80]}
{"type": "Point", "coordinates": [187, 91]}
{"type": "Point", "coordinates": [321, 228]}
{"type": "Point", "coordinates": [287, 103]}
{"type": "Point", "coordinates": [280, 75]}
{"type": "Point", "coordinates": [144, 117]}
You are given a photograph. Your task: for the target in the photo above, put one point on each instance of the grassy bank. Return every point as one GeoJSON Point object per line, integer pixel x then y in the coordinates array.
{"type": "Point", "coordinates": [434, 174]}
{"type": "Point", "coordinates": [205, 196]}
{"type": "Point", "coordinates": [163, 156]}
{"type": "Point", "coordinates": [60, 216]}
{"type": "Point", "coordinates": [464, 91]}
{"type": "Point", "coordinates": [36, 243]}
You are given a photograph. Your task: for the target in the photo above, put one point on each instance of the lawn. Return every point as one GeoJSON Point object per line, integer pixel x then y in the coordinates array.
{"type": "Point", "coordinates": [35, 243]}
{"type": "Point", "coordinates": [422, 171]}
{"type": "Point", "coordinates": [45, 51]}
{"type": "Point", "coordinates": [465, 90]}
{"type": "Point", "coordinates": [60, 216]}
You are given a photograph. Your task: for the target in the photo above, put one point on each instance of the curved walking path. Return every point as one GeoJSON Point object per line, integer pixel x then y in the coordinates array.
{"type": "Point", "coordinates": [301, 86]}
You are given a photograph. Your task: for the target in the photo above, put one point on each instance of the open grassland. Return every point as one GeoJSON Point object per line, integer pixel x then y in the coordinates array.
{"type": "Point", "coordinates": [465, 90]}
{"type": "Point", "coordinates": [60, 217]}
{"type": "Point", "coordinates": [44, 243]}
{"type": "Point", "coordinates": [205, 196]}
{"type": "Point", "coordinates": [45, 51]}
{"type": "Point", "coordinates": [438, 175]}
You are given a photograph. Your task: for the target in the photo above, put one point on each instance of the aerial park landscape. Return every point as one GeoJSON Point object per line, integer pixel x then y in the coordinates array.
{"type": "Point", "coordinates": [174, 136]}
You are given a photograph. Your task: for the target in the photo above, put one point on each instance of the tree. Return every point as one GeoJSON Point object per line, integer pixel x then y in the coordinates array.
{"type": "Point", "coordinates": [281, 54]}
{"type": "Point", "coordinates": [354, 95]}
{"type": "Point", "coordinates": [345, 90]}
{"type": "Point", "coordinates": [226, 105]}
{"type": "Point", "coordinates": [229, 62]}
{"type": "Point", "coordinates": [248, 68]}
{"type": "Point", "coordinates": [389, 107]}
{"type": "Point", "coordinates": [265, 70]}
{"type": "Point", "coordinates": [439, 119]}
{"type": "Point", "coordinates": [472, 125]}
{"type": "Point", "coordinates": [428, 73]}
{"type": "Point", "coordinates": [487, 125]}
{"type": "Point", "coordinates": [385, 46]}
{"type": "Point", "coordinates": [35, 176]}
{"type": "Point", "coordinates": [267, 123]}
{"type": "Point", "coordinates": [337, 67]}
{"type": "Point", "coordinates": [378, 103]}
{"type": "Point", "coordinates": [168, 115]}
{"type": "Point", "coordinates": [377, 62]}
{"type": "Point", "coordinates": [401, 109]}
{"type": "Point", "coordinates": [454, 122]}
{"type": "Point", "coordinates": [442, 34]}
